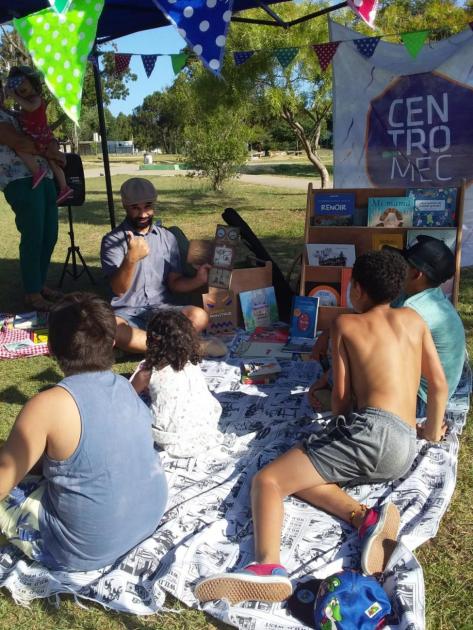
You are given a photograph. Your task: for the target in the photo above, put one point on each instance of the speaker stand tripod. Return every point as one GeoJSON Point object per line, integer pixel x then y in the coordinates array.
{"type": "Point", "coordinates": [74, 253]}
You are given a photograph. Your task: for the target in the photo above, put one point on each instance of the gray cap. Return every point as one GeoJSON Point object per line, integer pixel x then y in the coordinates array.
{"type": "Point", "coordinates": [137, 190]}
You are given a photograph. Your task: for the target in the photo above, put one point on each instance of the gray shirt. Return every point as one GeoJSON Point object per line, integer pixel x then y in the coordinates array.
{"type": "Point", "coordinates": [149, 285]}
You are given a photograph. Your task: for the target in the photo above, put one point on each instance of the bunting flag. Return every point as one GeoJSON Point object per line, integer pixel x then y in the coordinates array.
{"type": "Point", "coordinates": [366, 9]}
{"type": "Point", "coordinates": [241, 57]}
{"type": "Point", "coordinates": [60, 6]}
{"type": "Point", "coordinates": [325, 53]}
{"type": "Point", "coordinates": [178, 62]}
{"type": "Point", "coordinates": [414, 42]}
{"type": "Point", "coordinates": [122, 61]}
{"type": "Point", "coordinates": [59, 44]}
{"type": "Point", "coordinates": [286, 55]}
{"type": "Point", "coordinates": [367, 45]}
{"type": "Point", "coordinates": [203, 24]}
{"type": "Point", "coordinates": [149, 61]}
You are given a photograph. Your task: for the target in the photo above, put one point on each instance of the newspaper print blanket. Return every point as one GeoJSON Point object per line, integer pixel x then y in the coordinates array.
{"type": "Point", "coordinates": [207, 527]}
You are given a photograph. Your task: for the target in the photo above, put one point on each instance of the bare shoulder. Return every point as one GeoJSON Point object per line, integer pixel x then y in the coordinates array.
{"type": "Point", "coordinates": [345, 323]}
{"type": "Point", "coordinates": [411, 317]}
{"type": "Point", "coordinates": [50, 404]}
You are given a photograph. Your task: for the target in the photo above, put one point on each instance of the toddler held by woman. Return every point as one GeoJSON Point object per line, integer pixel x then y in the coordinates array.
{"type": "Point", "coordinates": [24, 86]}
{"type": "Point", "coordinates": [185, 413]}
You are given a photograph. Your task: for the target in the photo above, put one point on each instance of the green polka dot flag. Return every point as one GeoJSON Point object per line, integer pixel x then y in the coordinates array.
{"type": "Point", "coordinates": [59, 44]}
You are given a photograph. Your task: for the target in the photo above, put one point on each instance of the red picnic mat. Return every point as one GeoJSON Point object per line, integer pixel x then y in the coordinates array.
{"type": "Point", "coordinates": [12, 335]}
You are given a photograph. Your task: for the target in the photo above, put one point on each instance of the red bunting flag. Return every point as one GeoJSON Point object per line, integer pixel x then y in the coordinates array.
{"type": "Point", "coordinates": [325, 53]}
{"type": "Point", "coordinates": [122, 61]}
{"type": "Point", "coordinates": [366, 9]}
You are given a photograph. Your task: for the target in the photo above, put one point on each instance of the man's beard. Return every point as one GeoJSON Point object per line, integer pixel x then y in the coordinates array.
{"type": "Point", "coordinates": [140, 224]}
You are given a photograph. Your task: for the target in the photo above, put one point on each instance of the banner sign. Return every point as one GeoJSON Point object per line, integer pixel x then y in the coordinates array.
{"type": "Point", "coordinates": [405, 122]}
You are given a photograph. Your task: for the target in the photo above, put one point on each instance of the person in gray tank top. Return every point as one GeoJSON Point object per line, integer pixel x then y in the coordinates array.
{"type": "Point", "coordinates": [102, 489]}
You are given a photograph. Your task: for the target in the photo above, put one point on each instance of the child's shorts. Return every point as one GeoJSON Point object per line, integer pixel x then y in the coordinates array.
{"type": "Point", "coordinates": [19, 516]}
{"type": "Point", "coordinates": [369, 446]}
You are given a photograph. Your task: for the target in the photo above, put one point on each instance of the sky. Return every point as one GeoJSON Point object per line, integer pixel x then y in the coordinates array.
{"type": "Point", "coordinates": [164, 40]}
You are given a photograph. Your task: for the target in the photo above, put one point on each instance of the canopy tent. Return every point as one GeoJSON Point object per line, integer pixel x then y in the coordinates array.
{"type": "Point", "coordinates": [124, 17]}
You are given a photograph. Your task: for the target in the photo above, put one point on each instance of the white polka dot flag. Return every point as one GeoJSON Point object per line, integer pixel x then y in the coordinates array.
{"type": "Point", "coordinates": [325, 53]}
{"type": "Point", "coordinates": [366, 9]}
{"type": "Point", "coordinates": [122, 61]}
{"type": "Point", "coordinates": [367, 45]}
{"type": "Point", "coordinates": [59, 44]}
{"type": "Point", "coordinates": [242, 56]}
{"type": "Point", "coordinates": [286, 55]}
{"type": "Point", "coordinates": [203, 24]}
{"type": "Point", "coordinates": [149, 61]}
{"type": "Point", "coordinates": [61, 6]}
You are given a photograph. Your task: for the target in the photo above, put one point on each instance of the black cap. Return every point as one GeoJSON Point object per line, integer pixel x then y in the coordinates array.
{"type": "Point", "coordinates": [432, 257]}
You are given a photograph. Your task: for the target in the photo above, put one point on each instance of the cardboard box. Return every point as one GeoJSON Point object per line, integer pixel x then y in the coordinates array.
{"type": "Point", "coordinates": [223, 305]}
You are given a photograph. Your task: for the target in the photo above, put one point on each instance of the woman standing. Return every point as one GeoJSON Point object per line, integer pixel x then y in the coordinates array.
{"type": "Point", "coordinates": [36, 213]}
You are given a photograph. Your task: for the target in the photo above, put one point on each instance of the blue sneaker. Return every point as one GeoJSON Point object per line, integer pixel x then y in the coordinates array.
{"type": "Point", "coordinates": [256, 582]}
{"type": "Point", "coordinates": [378, 534]}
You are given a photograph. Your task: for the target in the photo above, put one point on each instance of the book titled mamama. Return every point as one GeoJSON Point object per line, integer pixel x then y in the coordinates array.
{"type": "Point", "coordinates": [390, 212]}
{"type": "Point", "coordinates": [333, 208]}
{"type": "Point", "coordinates": [434, 207]}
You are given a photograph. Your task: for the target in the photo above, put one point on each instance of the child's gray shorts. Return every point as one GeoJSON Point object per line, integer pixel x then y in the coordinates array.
{"type": "Point", "coordinates": [369, 446]}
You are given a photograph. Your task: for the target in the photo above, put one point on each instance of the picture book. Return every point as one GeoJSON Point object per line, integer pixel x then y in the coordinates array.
{"type": "Point", "coordinates": [433, 207]}
{"type": "Point", "coordinates": [219, 277]}
{"type": "Point", "coordinates": [380, 239]}
{"type": "Point", "coordinates": [14, 346]}
{"type": "Point", "coordinates": [260, 372]}
{"type": "Point", "coordinates": [327, 295]}
{"type": "Point", "coordinates": [345, 288]}
{"type": "Point", "coordinates": [448, 236]}
{"type": "Point", "coordinates": [259, 308]}
{"type": "Point", "coordinates": [303, 324]}
{"type": "Point", "coordinates": [276, 334]}
{"type": "Point", "coordinates": [390, 212]}
{"type": "Point", "coordinates": [25, 321]}
{"type": "Point", "coordinates": [259, 349]}
{"type": "Point", "coordinates": [330, 254]}
{"type": "Point", "coordinates": [333, 208]}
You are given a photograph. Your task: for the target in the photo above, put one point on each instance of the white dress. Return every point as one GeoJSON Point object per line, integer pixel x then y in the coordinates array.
{"type": "Point", "coordinates": [185, 413]}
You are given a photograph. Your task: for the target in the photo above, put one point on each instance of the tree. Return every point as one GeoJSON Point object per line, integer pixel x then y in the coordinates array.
{"type": "Point", "coordinates": [216, 146]}
{"type": "Point", "coordinates": [159, 122]}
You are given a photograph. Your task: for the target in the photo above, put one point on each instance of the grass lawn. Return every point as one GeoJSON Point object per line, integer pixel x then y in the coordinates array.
{"type": "Point", "coordinates": [277, 217]}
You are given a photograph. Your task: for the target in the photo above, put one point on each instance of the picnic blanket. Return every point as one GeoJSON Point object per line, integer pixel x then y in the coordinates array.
{"type": "Point", "coordinates": [207, 527]}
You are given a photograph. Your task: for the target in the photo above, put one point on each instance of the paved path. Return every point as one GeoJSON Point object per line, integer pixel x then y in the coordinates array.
{"type": "Point", "coordinates": [278, 181]}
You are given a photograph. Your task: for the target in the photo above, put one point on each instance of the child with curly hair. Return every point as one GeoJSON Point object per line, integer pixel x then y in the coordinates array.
{"type": "Point", "coordinates": [25, 88]}
{"type": "Point", "coordinates": [185, 413]}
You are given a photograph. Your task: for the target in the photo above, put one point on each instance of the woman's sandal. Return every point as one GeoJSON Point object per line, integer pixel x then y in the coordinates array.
{"type": "Point", "coordinates": [52, 295]}
{"type": "Point", "coordinates": [38, 303]}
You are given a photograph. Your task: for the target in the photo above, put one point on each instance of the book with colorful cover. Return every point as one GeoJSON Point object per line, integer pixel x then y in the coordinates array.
{"type": "Point", "coordinates": [345, 288]}
{"type": "Point", "coordinates": [434, 207]}
{"type": "Point", "coordinates": [260, 372]}
{"type": "Point", "coordinates": [330, 254]}
{"type": "Point", "coordinates": [390, 212]}
{"type": "Point", "coordinates": [380, 239]}
{"type": "Point", "coordinates": [303, 324]}
{"type": "Point", "coordinates": [277, 334]}
{"type": "Point", "coordinates": [333, 208]}
{"type": "Point", "coordinates": [259, 308]}
{"type": "Point", "coordinates": [15, 346]}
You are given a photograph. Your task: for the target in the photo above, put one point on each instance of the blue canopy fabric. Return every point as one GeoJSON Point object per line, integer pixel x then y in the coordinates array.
{"type": "Point", "coordinates": [119, 17]}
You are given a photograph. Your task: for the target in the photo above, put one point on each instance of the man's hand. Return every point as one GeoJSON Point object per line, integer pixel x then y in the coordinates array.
{"type": "Point", "coordinates": [137, 247]}
{"type": "Point", "coordinates": [423, 433]}
{"type": "Point", "coordinates": [202, 274]}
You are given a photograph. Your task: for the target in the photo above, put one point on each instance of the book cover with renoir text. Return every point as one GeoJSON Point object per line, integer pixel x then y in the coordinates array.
{"type": "Point", "coordinates": [333, 208]}
{"type": "Point", "coordinates": [390, 212]}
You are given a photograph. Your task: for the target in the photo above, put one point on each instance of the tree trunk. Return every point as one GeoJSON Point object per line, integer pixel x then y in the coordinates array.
{"type": "Point", "coordinates": [312, 154]}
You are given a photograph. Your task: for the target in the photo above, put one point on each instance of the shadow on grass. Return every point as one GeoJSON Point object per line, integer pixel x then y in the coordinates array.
{"type": "Point", "coordinates": [13, 395]}
{"type": "Point", "coordinates": [289, 170]}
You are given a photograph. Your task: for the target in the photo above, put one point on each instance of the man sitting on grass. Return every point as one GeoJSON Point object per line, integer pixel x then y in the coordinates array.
{"type": "Point", "coordinates": [143, 265]}
{"type": "Point", "coordinates": [378, 357]}
{"type": "Point", "coordinates": [102, 489]}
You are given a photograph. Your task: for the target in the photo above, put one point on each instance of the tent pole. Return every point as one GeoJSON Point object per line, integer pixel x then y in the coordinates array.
{"type": "Point", "coordinates": [103, 137]}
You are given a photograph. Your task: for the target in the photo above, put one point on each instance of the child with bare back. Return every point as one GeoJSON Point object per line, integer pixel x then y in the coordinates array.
{"type": "Point", "coordinates": [24, 86]}
{"type": "Point", "coordinates": [378, 357]}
